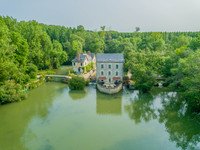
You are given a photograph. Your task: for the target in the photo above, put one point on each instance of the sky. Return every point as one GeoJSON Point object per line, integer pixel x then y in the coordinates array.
{"type": "Point", "coordinates": [118, 15]}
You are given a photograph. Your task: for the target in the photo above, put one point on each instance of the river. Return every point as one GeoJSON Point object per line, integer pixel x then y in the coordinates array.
{"type": "Point", "coordinates": [55, 118]}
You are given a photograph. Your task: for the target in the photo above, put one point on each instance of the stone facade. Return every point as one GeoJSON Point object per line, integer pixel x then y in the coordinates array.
{"type": "Point", "coordinates": [109, 72]}
{"type": "Point", "coordinates": [109, 67]}
{"type": "Point", "coordinates": [83, 60]}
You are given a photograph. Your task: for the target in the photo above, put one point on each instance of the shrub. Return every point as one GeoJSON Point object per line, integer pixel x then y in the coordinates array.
{"type": "Point", "coordinates": [77, 83]}
{"type": "Point", "coordinates": [32, 85]}
{"type": "Point", "coordinates": [87, 82]}
{"type": "Point", "coordinates": [11, 92]}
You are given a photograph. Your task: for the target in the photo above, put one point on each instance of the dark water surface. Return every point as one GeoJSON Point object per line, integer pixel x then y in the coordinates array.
{"type": "Point", "coordinates": [55, 118]}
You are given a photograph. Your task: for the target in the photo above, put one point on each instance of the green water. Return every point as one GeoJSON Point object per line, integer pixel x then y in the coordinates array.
{"type": "Point", "coordinates": [55, 118]}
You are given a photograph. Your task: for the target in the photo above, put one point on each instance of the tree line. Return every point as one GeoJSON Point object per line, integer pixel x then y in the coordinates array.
{"type": "Point", "coordinates": [26, 47]}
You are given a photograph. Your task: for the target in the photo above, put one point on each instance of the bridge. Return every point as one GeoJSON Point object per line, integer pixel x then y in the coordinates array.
{"type": "Point", "coordinates": [56, 76]}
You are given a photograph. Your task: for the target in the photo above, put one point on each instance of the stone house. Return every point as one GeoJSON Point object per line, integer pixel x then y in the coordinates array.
{"type": "Point", "coordinates": [82, 60]}
{"type": "Point", "coordinates": [109, 67]}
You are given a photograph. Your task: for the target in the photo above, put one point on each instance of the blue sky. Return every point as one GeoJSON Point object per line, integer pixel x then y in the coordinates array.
{"type": "Point", "coordinates": [120, 15]}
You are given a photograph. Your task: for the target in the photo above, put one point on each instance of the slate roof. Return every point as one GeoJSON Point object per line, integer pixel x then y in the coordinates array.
{"type": "Point", "coordinates": [82, 57]}
{"type": "Point", "coordinates": [110, 57]}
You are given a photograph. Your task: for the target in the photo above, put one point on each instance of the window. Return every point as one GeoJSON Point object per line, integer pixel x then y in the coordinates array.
{"type": "Point", "coordinates": [81, 64]}
{"type": "Point", "coordinates": [116, 73]}
{"type": "Point", "coordinates": [109, 66]}
{"type": "Point", "coordinates": [74, 64]}
{"type": "Point", "coordinates": [117, 66]}
{"type": "Point", "coordinates": [101, 72]}
{"type": "Point", "coordinates": [101, 65]}
{"type": "Point", "coordinates": [109, 73]}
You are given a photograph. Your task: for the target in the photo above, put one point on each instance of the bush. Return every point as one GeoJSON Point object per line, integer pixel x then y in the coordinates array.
{"type": "Point", "coordinates": [87, 82]}
{"type": "Point", "coordinates": [11, 92]}
{"type": "Point", "coordinates": [32, 85]}
{"type": "Point", "coordinates": [35, 84]}
{"type": "Point", "coordinates": [77, 83]}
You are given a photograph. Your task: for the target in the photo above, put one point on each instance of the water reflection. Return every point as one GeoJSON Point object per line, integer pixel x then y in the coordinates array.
{"type": "Point", "coordinates": [49, 118]}
{"type": "Point", "coordinates": [13, 123]}
{"type": "Point", "coordinates": [141, 108]}
{"type": "Point", "coordinates": [180, 124]}
{"type": "Point", "coordinates": [109, 104]}
{"type": "Point", "coordinates": [78, 94]}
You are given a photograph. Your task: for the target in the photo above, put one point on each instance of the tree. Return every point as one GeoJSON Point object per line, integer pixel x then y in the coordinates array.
{"type": "Point", "coordinates": [186, 77]}
{"type": "Point", "coordinates": [137, 29]}
{"type": "Point", "coordinates": [21, 48]}
{"type": "Point", "coordinates": [11, 92]}
{"type": "Point", "coordinates": [77, 83]}
{"type": "Point", "coordinates": [141, 69]}
{"type": "Point", "coordinates": [195, 43]}
{"type": "Point", "coordinates": [97, 44]}
{"type": "Point", "coordinates": [112, 46]}
{"type": "Point", "coordinates": [103, 28]}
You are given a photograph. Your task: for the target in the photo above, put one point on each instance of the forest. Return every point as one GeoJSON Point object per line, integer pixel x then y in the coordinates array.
{"type": "Point", "coordinates": [28, 47]}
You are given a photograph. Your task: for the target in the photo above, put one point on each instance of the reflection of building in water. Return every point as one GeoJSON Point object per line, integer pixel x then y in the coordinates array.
{"type": "Point", "coordinates": [109, 104]}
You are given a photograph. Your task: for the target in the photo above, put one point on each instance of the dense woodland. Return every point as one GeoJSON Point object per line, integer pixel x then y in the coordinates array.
{"type": "Point", "coordinates": [26, 47]}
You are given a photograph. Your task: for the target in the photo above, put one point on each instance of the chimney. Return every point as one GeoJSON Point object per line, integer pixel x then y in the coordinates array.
{"type": "Point", "coordinates": [78, 56]}
{"type": "Point", "coordinates": [89, 53]}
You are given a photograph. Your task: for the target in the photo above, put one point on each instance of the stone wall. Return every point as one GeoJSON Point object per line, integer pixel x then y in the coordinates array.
{"type": "Point", "coordinates": [87, 75]}
{"type": "Point", "coordinates": [106, 69]}
{"type": "Point", "coordinates": [109, 90]}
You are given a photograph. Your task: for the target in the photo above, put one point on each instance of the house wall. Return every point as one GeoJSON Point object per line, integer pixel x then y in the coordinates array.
{"type": "Point", "coordinates": [75, 66]}
{"type": "Point", "coordinates": [85, 63]}
{"type": "Point", "coordinates": [106, 70]}
{"type": "Point", "coordinates": [78, 64]}
{"type": "Point", "coordinates": [94, 60]}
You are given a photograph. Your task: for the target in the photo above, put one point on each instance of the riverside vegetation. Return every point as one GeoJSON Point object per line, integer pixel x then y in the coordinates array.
{"type": "Point", "coordinates": [26, 47]}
